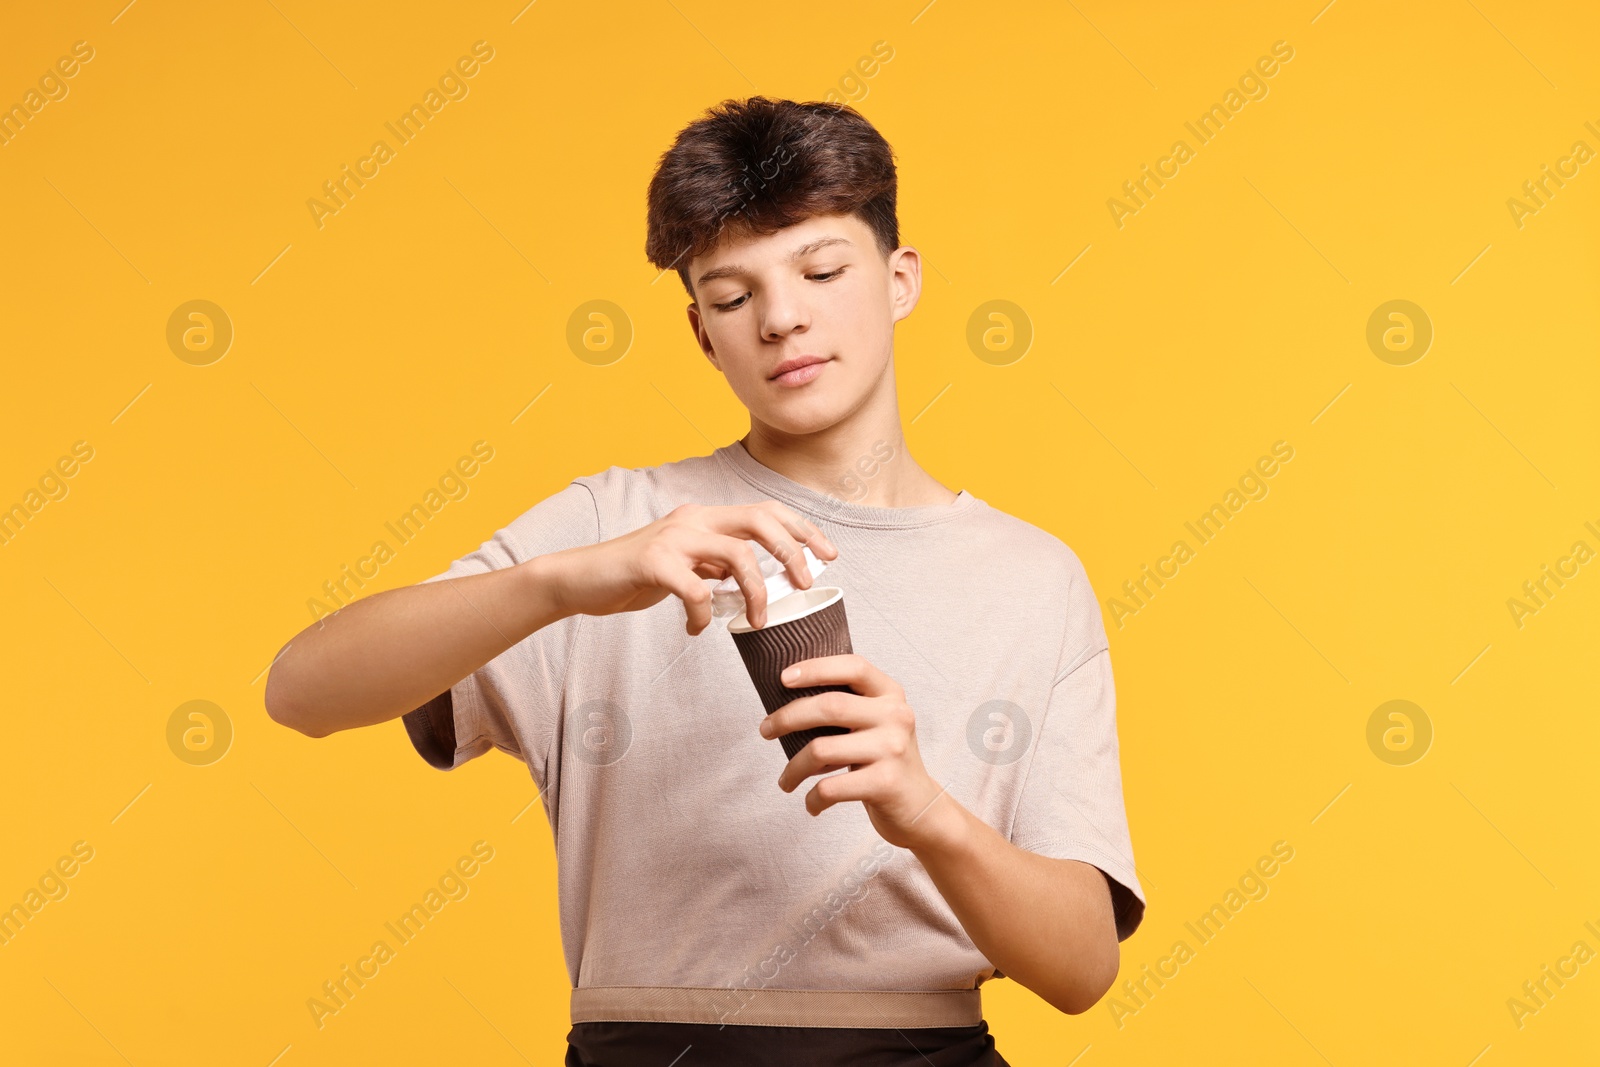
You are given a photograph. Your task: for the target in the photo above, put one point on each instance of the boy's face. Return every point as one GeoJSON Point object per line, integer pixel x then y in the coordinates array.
{"type": "Point", "coordinates": [838, 300]}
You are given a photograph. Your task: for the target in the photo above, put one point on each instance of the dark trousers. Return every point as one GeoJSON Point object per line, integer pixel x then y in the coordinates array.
{"type": "Point", "coordinates": [627, 1044]}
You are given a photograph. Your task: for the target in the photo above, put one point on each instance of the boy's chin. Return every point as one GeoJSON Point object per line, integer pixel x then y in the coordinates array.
{"type": "Point", "coordinates": [799, 418]}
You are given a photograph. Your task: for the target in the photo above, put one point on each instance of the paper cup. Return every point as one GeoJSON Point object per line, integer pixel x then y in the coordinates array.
{"type": "Point", "coordinates": [803, 625]}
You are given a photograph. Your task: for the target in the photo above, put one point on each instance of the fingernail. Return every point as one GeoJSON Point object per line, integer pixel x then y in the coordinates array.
{"type": "Point", "coordinates": [766, 730]}
{"type": "Point", "coordinates": [790, 674]}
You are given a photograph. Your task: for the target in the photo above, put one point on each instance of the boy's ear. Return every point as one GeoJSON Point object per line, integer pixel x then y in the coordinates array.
{"type": "Point", "coordinates": [700, 336]}
{"type": "Point", "coordinates": [905, 275]}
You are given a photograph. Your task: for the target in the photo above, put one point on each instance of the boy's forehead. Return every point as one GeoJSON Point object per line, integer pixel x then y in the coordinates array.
{"type": "Point", "coordinates": [744, 249]}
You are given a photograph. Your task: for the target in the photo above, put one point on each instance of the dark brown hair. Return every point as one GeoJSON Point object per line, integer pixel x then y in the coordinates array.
{"type": "Point", "coordinates": [752, 167]}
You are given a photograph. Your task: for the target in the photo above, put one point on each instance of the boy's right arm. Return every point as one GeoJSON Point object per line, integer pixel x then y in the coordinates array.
{"type": "Point", "coordinates": [386, 654]}
{"type": "Point", "coordinates": [390, 653]}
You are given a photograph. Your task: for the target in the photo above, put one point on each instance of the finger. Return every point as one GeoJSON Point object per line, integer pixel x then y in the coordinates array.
{"type": "Point", "coordinates": [863, 784]}
{"type": "Point", "coordinates": [734, 557]}
{"type": "Point", "coordinates": [849, 668]}
{"type": "Point", "coordinates": [800, 528]}
{"type": "Point", "coordinates": [840, 750]}
{"type": "Point", "coordinates": [833, 708]}
{"type": "Point", "coordinates": [789, 531]}
{"type": "Point", "coordinates": [780, 541]}
{"type": "Point", "coordinates": [682, 583]}
{"type": "Point", "coordinates": [780, 531]}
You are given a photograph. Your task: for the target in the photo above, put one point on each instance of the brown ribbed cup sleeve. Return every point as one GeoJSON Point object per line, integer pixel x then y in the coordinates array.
{"type": "Point", "coordinates": [767, 651]}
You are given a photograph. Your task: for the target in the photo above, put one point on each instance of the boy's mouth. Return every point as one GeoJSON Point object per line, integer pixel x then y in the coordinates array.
{"type": "Point", "coordinates": [797, 371]}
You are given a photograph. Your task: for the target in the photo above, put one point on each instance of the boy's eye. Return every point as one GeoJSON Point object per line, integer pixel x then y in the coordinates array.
{"type": "Point", "coordinates": [735, 304]}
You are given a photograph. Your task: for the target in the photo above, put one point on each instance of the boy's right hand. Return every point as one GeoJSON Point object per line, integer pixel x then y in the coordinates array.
{"type": "Point", "coordinates": [677, 552]}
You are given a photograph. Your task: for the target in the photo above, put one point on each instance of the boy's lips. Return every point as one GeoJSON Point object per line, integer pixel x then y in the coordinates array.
{"type": "Point", "coordinates": [798, 371]}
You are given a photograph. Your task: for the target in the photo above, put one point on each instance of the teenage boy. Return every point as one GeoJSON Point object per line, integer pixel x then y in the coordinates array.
{"type": "Point", "coordinates": [717, 901]}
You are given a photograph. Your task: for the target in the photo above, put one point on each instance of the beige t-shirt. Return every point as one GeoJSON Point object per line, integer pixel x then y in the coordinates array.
{"type": "Point", "coordinates": [681, 862]}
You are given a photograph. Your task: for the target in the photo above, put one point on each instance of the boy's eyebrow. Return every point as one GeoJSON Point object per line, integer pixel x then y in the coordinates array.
{"type": "Point", "coordinates": [799, 253]}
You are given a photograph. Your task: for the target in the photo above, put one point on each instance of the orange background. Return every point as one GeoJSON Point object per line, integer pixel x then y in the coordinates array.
{"type": "Point", "coordinates": [1228, 313]}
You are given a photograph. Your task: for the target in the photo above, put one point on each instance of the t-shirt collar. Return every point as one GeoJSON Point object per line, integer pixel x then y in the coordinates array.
{"type": "Point", "coordinates": [835, 508]}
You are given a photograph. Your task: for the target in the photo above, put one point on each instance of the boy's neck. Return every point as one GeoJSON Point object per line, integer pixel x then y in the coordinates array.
{"type": "Point", "coordinates": [846, 461]}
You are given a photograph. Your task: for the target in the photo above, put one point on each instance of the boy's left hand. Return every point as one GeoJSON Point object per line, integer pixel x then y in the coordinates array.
{"type": "Point", "coordinates": [886, 772]}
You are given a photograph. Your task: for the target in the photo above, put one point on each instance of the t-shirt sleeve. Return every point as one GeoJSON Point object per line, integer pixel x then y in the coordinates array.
{"type": "Point", "coordinates": [1071, 805]}
{"type": "Point", "coordinates": [511, 702]}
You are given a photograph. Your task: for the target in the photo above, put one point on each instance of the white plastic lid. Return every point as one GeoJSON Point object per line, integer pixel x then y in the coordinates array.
{"type": "Point", "coordinates": [726, 598]}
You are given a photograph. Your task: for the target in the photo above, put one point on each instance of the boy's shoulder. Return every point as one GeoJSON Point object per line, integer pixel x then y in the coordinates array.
{"type": "Point", "coordinates": [1039, 550]}
{"type": "Point", "coordinates": [623, 494]}
{"type": "Point", "coordinates": [1036, 568]}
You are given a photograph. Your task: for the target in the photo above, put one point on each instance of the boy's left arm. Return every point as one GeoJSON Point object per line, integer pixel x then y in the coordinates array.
{"type": "Point", "coordinates": [1044, 922]}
